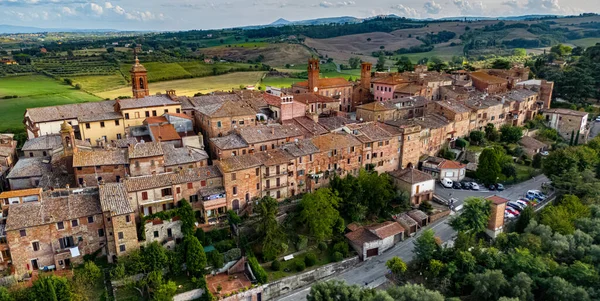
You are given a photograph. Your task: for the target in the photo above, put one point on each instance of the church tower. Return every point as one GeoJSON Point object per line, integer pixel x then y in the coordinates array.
{"type": "Point", "coordinates": [67, 136]}
{"type": "Point", "coordinates": [139, 80]}
{"type": "Point", "coordinates": [365, 75]}
{"type": "Point", "coordinates": [313, 75]}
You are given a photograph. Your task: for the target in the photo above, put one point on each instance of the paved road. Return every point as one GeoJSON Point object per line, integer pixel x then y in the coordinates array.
{"type": "Point", "coordinates": [372, 273]}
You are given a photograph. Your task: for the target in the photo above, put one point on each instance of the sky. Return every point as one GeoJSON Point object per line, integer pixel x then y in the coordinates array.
{"type": "Point", "coordinates": [208, 14]}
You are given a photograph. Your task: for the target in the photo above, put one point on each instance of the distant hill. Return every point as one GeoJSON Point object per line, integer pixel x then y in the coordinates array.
{"type": "Point", "coordinates": [320, 21]}
{"type": "Point", "coordinates": [9, 29]}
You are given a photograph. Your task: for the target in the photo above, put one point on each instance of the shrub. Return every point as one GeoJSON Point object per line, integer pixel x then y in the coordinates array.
{"type": "Point", "coordinates": [259, 272]}
{"type": "Point", "coordinates": [118, 272]}
{"type": "Point", "coordinates": [341, 247]}
{"type": "Point", "coordinates": [461, 143]}
{"type": "Point", "coordinates": [310, 259]}
{"type": "Point", "coordinates": [232, 255]}
{"type": "Point", "coordinates": [537, 161]}
{"type": "Point", "coordinates": [302, 242]}
{"type": "Point", "coordinates": [275, 265]}
{"type": "Point", "coordinates": [225, 245]}
{"type": "Point", "coordinates": [216, 259]}
{"type": "Point", "coordinates": [337, 256]}
{"type": "Point", "coordinates": [527, 162]}
{"type": "Point", "coordinates": [299, 265]}
{"type": "Point", "coordinates": [322, 246]}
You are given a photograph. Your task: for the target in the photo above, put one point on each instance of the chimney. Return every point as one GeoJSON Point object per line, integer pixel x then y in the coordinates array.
{"type": "Point", "coordinates": [272, 131]}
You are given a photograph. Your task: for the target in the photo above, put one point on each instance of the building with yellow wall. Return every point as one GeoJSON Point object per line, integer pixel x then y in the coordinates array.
{"type": "Point", "coordinates": [136, 110]}
{"type": "Point", "coordinates": [102, 128]}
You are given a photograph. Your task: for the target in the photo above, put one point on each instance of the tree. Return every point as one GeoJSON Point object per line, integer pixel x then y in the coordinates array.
{"type": "Point", "coordinates": [509, 171]}
{"type": "Point", "coordinates": [195, 258]}
{"type": "Point", "coordinates": [488, 285]}
{"type": "Point", "coordinates": [501, 64]}
{"type": "Point", "coordinates": [414, 292]}
{"type": "Point", "coordinates": [380, 66]}
{"type": "Point", "coordinates": [426, 207]}
{"type": "Point", "coordinates": [561, 50]}
{"type": "Point", "coordinates": [577, 51]}
{"type": "Point", "coordinates": [51, 288]}
{"type": "Point", "coordinates": [319, 212]}
{"type": "Point", "coordinates": [426, 247]}
{"type": "Point", "coordinates": [260, 274]}
{"type": "Point", "coordinates": [354, 62]}
{"type": "Point", "coordinates": [155, 257]}
{"type": "Point", "coordinates": [336, 290]}
{"type": "Point", "coordinates": [558, 289]}
{"type": "Point", "coordinates": [524, 219]}
{"type": "Point", "coordinates": [520, 287]}
{"type": "Point", "coordinates": [488, 169]}
{"type": "Point", "coordinates": [572, 136]}
{"type": "Point", "coordinates": [165, 292]}
{"type": "Point", "coordinates": [476, 137]}
{"type": "Point", "coordinates": [233, 217]}
{"type": "Point", "coordinates": [561, 217]}
{"type": "Point", "coordinates": [474, 217]}
{"type": "Point", "coordinates": [491, 133]}
{"type": "Point", "coordinates": [397, 266]}
{"type": "Point", "coordinates": [216, 259]}
{"type": "Point", "coordinates": [268, 229]}
{"type": "Point", "coordinates": [461, 143]}
{"type": "Point", "coordinates": [520, 52]}
{"type": "Point", "coordinates": [537, 161]}
{"type": "Point", "coordinates": [511, 134]}
{"type": "Point", "coordinates": [109, 50]}
{"type": "Point", "coordinates": [405, 64]}
{"type": "Point", "coordinates": [186, 215]}
{"type": "Point", "coordinates": [5, 294]}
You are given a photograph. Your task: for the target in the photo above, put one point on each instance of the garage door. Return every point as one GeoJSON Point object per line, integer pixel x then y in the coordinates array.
{"type": "Point", "coordinates": [372, 252]}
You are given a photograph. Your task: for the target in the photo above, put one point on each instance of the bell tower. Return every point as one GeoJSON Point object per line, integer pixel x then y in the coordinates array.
{"type": "Point", "coordinates": [365, 75]}
{"type": "Point", "coordinates": [313, 75]}
{"type": "Point", "coordinates": [139, 80]}
{"type": "Point", "coordinates": [67, 136]}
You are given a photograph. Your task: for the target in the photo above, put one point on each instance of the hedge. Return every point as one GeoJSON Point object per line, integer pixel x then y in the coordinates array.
{"type": "Point", "coordinates": [259, 272]}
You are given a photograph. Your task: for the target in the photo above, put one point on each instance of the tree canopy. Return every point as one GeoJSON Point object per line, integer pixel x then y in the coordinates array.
{"type": "Point", "coordinates": [319, 212]}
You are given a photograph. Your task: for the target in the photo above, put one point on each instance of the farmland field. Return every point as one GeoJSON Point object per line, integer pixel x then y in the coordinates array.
{"type": "Point", "coordinates": [103, 83]}
{"type": "Point", "coordinates": [191, 86]}
{"type": "Point", "coordinates": [34, 91]}
{"type": "Point", "coordinates": [588, 42]}
{"type": "Point", "coordinates": [158, 71]}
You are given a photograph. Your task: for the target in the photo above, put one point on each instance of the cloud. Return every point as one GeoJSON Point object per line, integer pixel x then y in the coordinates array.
{"type": "Point", "coordinates": [514, 4]}
{"type": "Point", "coordinates": [432, 8]}
{"type": "Point", "coordinates": [405, 11]}
{"type": "Point", "coordinates": [108, 5]}
{"type": "Point", "coordinates": [326, 4]}
{"type": "Point", "coordinates": [96, 9]}
{"type": "Point", "coordinates": [470, 8]}
{"type": "Point", "coordinates": [543, 6]}
{"type": "Point", "coordinates": [68, 11]}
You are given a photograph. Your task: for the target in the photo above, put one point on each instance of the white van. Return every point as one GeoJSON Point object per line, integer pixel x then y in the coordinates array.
{"type": "Point", "coordinates": [446, 182]}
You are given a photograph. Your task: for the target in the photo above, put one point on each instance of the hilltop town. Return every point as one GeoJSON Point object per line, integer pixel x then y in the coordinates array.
{"type": "Point", "coordinates": [100, 177]}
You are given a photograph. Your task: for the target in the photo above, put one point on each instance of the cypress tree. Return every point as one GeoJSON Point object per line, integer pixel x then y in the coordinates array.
{"type": "Point", "coordinates": [577, 139]}
{"type": "Point", "coordinates": [572, 134]}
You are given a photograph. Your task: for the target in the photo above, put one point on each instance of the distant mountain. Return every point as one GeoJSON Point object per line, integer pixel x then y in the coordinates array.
{"type": "Point", "coordinates": [280, 22]}
{"type": "Point", "coordinates": [509, 18]}
{"type": "Point", "coordinates": [320, 21]}
{"type": "Point", "coordinates": [9, 29]}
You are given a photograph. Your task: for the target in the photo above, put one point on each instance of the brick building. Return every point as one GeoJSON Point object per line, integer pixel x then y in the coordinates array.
{"type": "Point", "coordinates": [339, 88]}
{"type": "Point", "coordinates": [146, 158]}
{"type": "Point", "coordinates": [93, 167]}
{"type": "Point", "coordinates": [119, 220]}
{"type": "Point", "coordinates": [496, 221]}
{"type": "Point", "coordinates": [567, 122]}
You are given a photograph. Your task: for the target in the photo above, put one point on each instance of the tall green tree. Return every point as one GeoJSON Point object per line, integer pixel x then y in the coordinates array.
{"type": "Point", "coordinates": [474, 217]}
{"type": "Point", "coordinates": [414, 292]}
{"type": "Point", "coordinates": [187, 217]}
{"type": "Point", "coordinates": [336, 290]}
{"type": "Point", "coordinates": [397, 266]}
{"type": "Point", "coordinates": [268, 228]}
{"type": "Point", "coordinates": [319, 212]}
{"type": "Point", "coordinates": [426, 247]}
{"type": "Point", "coordinates": [155, 257]}
{"type": "Point", "coordinates": [404, 64]}
{"type": "Point", "coordinates": [476, 137]}
{"type": "Point", "coordinates": [488, 168]}
{"type": "Point", "coordinates": [491, 133]}
{"type": "Point", "coordinates": [380, 66]}
{"type": "Point", "coordinates": [511, 134]}
{"type": "Point", "coordinates": [195, 258]}
{"type": "Point", "coordinates": [521, 286]}
{"type": "Point", "coordinates": [5, 294]}
{"type": "Point", "coordinates": [489, 285]}
{"type": "Point", "coordinates": [51, 288]}
{"type": "Point", "coordinates": [524, 218]}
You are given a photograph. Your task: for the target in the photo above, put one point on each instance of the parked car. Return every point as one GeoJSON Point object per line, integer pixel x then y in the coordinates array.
{"type": "Point", "coordinates": [535, 194]}
{"type": "Point", "coordinates": [525, 204]}
{"type": "Point", "coordinates": [474, 186]}
{"type": "Point", "coordinates": [492, 187]}
{"type": "Point", "coordinates": [499, 187]}
{"type": "Point", "coordinates": [512, 211]}
{"type": "Point", "coordinates": [446, 182]}
{"type": "Point", "coordinates": [456, 185]}
{"type": "Point", "coordinates": [466, 185]}
{"type": "Point", "coordinates": [508, 215]}
{"type": "Point", "coordinates": [598, 119]}
{"type": "Point", "coordinates": [515, 205]}
{"type": "Point", "coordinates": [530, 202]}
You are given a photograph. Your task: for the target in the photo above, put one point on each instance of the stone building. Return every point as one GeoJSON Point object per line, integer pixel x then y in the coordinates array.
{"type": "Point", "coordinates": [484, 82]}
{"type": "Point", "coordinates": [338, 88]}
{"type": "Point", "coordinates": [420, 185]}
{"type": "Point", "coordinates": [401, 108]}
{"type": "Point", "coordinates": [380, 148]}
{"type": "Point", "coordinates": [373, 240]}
{"type": "Point", "coordinates": [94, 167]}
{"type": "Point", "coordinates": [119, 220]}
{"type": "Point", "coordinates": [567, 122]}
{"type": "Point", "coordinates": [146, 158]}
{"type": "Point", "coordinates": [218, 115]}
{"type": "Point", "coordinates": [496, 221]}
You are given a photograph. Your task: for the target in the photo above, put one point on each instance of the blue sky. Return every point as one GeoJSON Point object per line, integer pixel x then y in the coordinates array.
{"type": "Point", "coordinates": [205, 14]}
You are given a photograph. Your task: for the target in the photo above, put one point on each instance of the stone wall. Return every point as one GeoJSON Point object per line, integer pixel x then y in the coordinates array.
{"type": "Point", "coordinates": [189, 295]}
{"type": "Point", "coordinates": [437, 216]}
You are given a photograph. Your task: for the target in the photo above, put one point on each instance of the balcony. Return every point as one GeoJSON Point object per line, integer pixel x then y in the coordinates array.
{"type": "Point", "coordinates": [273, 187]}
{"type": "Point", "coordinates": [164, 199]}
{"type": "Point", "coordinates": [272, 175]}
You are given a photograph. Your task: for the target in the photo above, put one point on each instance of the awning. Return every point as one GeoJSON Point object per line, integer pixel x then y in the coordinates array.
{"type": "Point", "coordinates": [74, 251]}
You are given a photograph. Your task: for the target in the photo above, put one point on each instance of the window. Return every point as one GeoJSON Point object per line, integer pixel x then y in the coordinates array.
{"type": "Point", "coordinates": [153, 112]}
{"type": "Point", "coordinates": [60, 225]}
{"type": "Point", "coordinates": [36, 245]}
{"type": "Point", "coordinates": [127, 218]}
{"type": "Point", "coordinates": [203, 183]}
{"type": "Point", "coordinates": [257, 186]}
{"type": "Point", "coordinates": [100, 232]}
{"type": "Point", "coordinates": [193, 198]}
{"type": "Point", "coordinates": [178, 189]}
{"type": "Point", "coordinates": [218, 124]}
{"type": "Point", "coordinates": [90, 219]}
{"type": "Point", "coordinates": [166, 111]}
{"type": "Point", "coordinates": [257, 171]}
{"type": "Point", "coordinates": [23, 233]}
{"type": "Point", "coordinates": [190, 185]}
{"type": "Point", "coordinates": [126, 115]}
{"type": "Point", "coordinates": [310, 158]}
{"type": "Point", "coordinates": [117, 122]}
{"type": "Point", "coordinates": [147, 114]}
{"type": "Point", "coordinates": [66, 242]}
{"type": "Point", "coordinates": [74, 223]}
{"type": "Point", "coordinates": [155, 234]}
{"type": "Point", "coordinates": [120, 234]}
{"type": "Point", "coordinates": [144, 195]}
{"type": "Point", "coordinates": [300, 159]}
{"type": "Point", "coordinates": [235, 190]}
{"type": "Point", "coordinates": [101, 124]}
{"type": "Point", "coordinates": [87, 125]}
{"type": "Point", "coordinates": [233, 176]}
{"type": "Point", "coordinates": [169, 233]}
{"type": "Point", "coordinates": [122, 248]}
{"type": "Point", "coordinates": [30, 154]}
{"type": "Point", "coordinates": [179, 111]}
{"type": "Point", "coordinates": [166, 192]}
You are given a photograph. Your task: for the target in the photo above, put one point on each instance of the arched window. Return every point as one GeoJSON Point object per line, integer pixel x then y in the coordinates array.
{"type": "Point", "coordinates": [142, 83]}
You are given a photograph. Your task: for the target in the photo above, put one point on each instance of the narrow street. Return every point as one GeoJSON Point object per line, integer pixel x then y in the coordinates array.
{"type": "Point", "coordinates": [372, 272]}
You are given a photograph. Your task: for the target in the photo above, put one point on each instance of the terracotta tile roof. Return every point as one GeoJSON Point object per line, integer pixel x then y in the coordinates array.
{"type": "Point", "coordinates": [20, 192]}
{"type": "Point", "coordinates": [405, 220]}
{"type": "Point", "coordinates": [51, 210]}
{"type": "Point", "coordinates": [272, 100]}
{"type": "Point", "coordinates": [155, 120]}
{"type": "Point", "coordinates": [100, 117]}
{"type": "Point", "coordinates": [411, 89]}
{"type": "Point", "coordinates": [361, 236]}
{"type": "Point", "coordinates": [241, 162]}
{"type": "Point", "coordinates": [308, 98]}
{"type": "Point", "coordinates": [100, 158]}
{"type": "Point", "coordinates": [276, 157]}
{"type": "Point", "coordinates": [335, 122]}
{"type": "Point", "coordinates": [70, 111]}
{"type": "Point", "coordinates": [497, 199]}
{"type": "Point", "coordinates": [369, 132]}
{"type": "Point", "coordinates": [308, 126]}
{"type": "Point", "coordinates": [124, 143]}
{"type": "Point", "coordinates": [532, 143]}
{"type": "Point", "coordinates": [303, 147]}
{"type": "Point", "coordinates": [411, 175]}
{"type": "Point", "coordinates": [164, 132]}
{"type": "Point", "coordinates": [453, 106]}
{"type": "Point", "coordinates": [49, 142]}
{"type": "Point", "coordinates": [227, 108]}
{"type": "Point", "coordinates": [231, 141]}
{"type": "Point", "coordinates": [333, 141]}
{"type": "Point", "coordinates": [325, 83]}
{"type": "Point", "coordinates": [144, 150]}
{"type": "Point", "coordinates": [386, 229]}
{"type": "Point", "coordinates": [114, 199]}
{"type": "Point", "coordinates": [264, 133]}
{"type": "Point", "coordinates": [566, 112]}
{"type": "Point", "coordinates": [172, 178]}
{"type": "Point", "coordinates": [490, 79]}
{"type": "Point", "coordinates": [521, 95]}
{"type": "Point", "coordinates": [30, 167]}
{"type": "Point", "coordinates": [449, 164]}
{"type": "Point", "coordinates": [432, 121]}
{"type": "Point", "coordinates": [148, 101]}
{"type": "Point", "coordinates": [391, 79]}
{"type": "Point", "coordinates": [183, 155]}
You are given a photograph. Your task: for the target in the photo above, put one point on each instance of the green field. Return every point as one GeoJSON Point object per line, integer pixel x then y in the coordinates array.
{"type": "Point", "coordinates": [158, 71]}
{"type": "Point", "coordinates": [587, 42]}
{"type": "Point", "coordinates": [444, 53]}
{"type": "Point", "coordinates": [96, 84]}
{"type": "Point", "coordinates": [191, 86]}
{"type": "Point", "coordinates": [279, 82]}
{"type": "Point", "coordinates": [34, 91]}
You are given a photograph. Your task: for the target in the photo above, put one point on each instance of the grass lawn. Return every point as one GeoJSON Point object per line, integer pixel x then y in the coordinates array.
{"type": "Point", "coordinates": [159, 71]}
{"type": "Point", "coordinates": [100, 83]}
{"type": "Point", "coordinates": [288, 268]}
{"type": "Point", "coordinates": [280, 82]}
{"type": "Point", "coordinates": [191, 86]}
{"type": "Point", "coordinates": [125, 293]}
{"type": "Point", "coordinates": [587, 42]}
{"type": "Point", "coordinates": [445, 53]}
{"type": "Point", "coordinates": [34, 91]}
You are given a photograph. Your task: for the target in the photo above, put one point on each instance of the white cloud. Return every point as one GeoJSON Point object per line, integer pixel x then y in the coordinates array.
{"type": "Point", "coordinates": [96, 9]}
{"type": "Point", "coordinates": [405, 11]}
{"type": "Point", "coordinates": [68, 11]}
{"type": "Point", "coordinates": [108, 5]}
{"type": "Point", "coordinates": [470, 8]}
{"type": "Point", "coordinates": [119, 10]}
{"type": "Point", "coordinates": [327, 4]}
{"type": "Point", "coordinates": [514, 4]}
{"type": "Point", "coordinates": [543, 6]}
{"type": "Point", "coordinates": [432, 8]}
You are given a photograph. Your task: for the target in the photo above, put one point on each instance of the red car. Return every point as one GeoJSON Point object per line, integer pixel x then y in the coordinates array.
{"type": "Point", "coordinates": [512, 211]}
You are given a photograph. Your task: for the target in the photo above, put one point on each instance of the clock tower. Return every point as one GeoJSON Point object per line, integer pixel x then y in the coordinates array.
{"type": "Point", "coordinates": [313, 75]}
{"type": "Point", "coordinates": [139, 80]}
